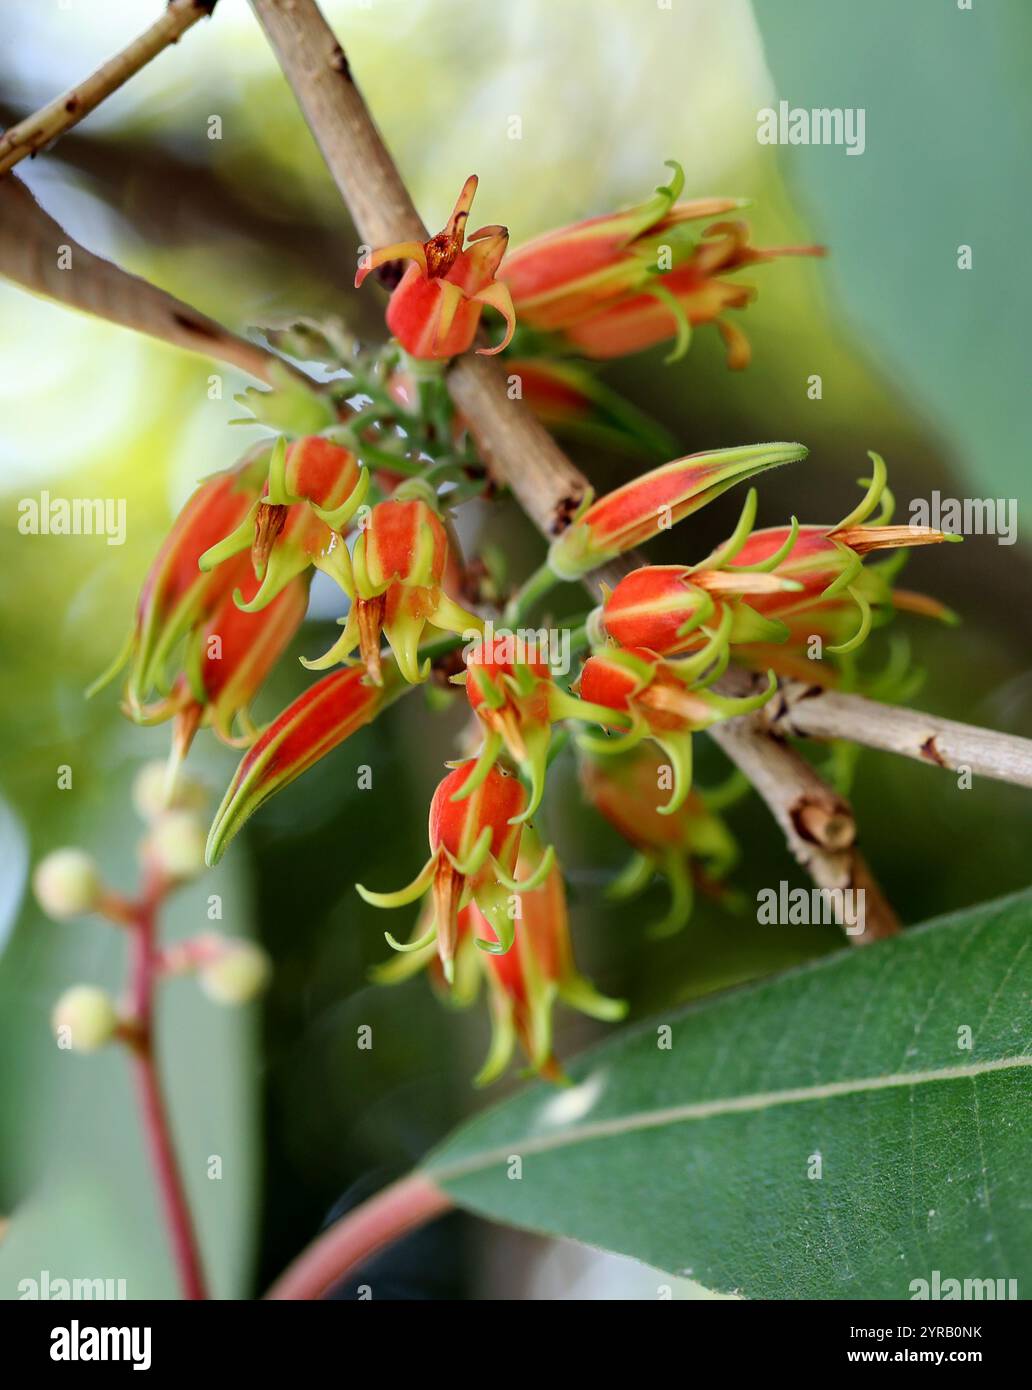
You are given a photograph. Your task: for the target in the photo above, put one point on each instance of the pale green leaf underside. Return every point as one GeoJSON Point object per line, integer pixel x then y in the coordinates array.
{"type": "Point", "coordinates": [696, 1159]}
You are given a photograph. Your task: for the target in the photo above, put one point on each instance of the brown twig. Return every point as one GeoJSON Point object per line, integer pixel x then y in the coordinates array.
{"type": "Point", "coordinates": [810, 712]}
{"type": "Point", "coordinates": [818, 823]}
{"type": "Point", "coordinates": [38, 254]}
{"type": "Point", "coordinates": [44, 126]}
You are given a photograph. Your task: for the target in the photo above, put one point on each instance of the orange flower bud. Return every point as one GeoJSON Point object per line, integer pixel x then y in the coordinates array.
{"type": "Point", "coordinates": [655, 501]}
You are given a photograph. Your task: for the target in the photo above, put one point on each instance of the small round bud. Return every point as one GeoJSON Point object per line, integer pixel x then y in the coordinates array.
{"type": "Point", "coordinates": [67, 883]}
{"type": "Point", "coordinates": [176, 843]}
{"type": "Point", "coordinates": [153, 796]}
{"type": "Point", "coordinates": [84, 1019]}
{"type": "Point", "coordinates": [237, 974]}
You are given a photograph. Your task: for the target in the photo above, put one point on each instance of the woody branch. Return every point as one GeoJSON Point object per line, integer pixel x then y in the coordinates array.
{"type": "Point", "coordinates": [45, 125]}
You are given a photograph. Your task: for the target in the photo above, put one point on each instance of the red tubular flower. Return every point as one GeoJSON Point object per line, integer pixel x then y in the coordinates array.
{"type": "Point", "coordinates": [435, 310]}
{"type": "Point", "coordinates": [692, 849]}
{"type": "Point", "coordinates": [825, 565]}
{"type": "Point", "coordinates": [309, 728]}
{"type": "Point", "coordinates": [176, 595]}
{"type": "Point", "coordinates": [398, 566]}
{"type": "Point", "coordinates": [229, 659]}
{"type": "Point", "coordinates": [671, 609]}
{"type": "Point", "coordinates": [514, 696]}
{"type": "Point", "coordinates": [474, 844]}
{"type": "Point", "coordinates": [526, 981]}
{"type": "Point", "coordinates": [663, 700]}
{"type": "Point", "coordinates": [653, 502]}
{"type": "Point", "coordinates": [313, 489]}
{"type": "Point", "coordinates": [620, 283]}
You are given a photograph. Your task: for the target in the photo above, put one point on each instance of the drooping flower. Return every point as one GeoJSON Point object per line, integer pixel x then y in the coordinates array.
{"type": "Point", "coordinates": [226, 661]}
{"type": "Point", "coordinates": [435, 310]}
{"type": "Point", "coordinates": [524, 982]}
{"type": "Point", "coordinates": [176, 595]}
{"type": "Point", "coordinates": [664, 700]}
{"type": "Point", "coordinates": [313, 489]}
{"type": "Point", "coordinates": [620, 283]}
{"type": "Point", "coordinates": [513, 694]}
{"type": "Point", "coordinates": [309, 728]}
{"type": "Point", "coordinates": [398, 567]}
{"type": "Point", "coordinates": [693, 849]}
{"type": "Point", "coordinates": [653, 502]}
{"type": "Point", "coordinates": [474, 844]}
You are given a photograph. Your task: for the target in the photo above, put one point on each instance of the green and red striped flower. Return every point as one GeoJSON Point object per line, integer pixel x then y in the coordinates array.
{"type": "Point", "coordinates": [619, 283]}
{"type": "Point", "coordinates": [398, 568]}
{"type": "Point", "coordinates": [176, 595]}
{"type": "Point", "coordinates": [666, 701]}
{"type": "Point", "coordinates": [474, 845]}
{"type": "Point", "coordinates": [655, 501]}
{"type": "Point", "coordinates": [692, 849]}
{"type": "Point", "coordinates": [313, 489]}
{"type": "Point", "coordinates": [309, 728]}
{"type": "Point", "coordinates": [517, 702]}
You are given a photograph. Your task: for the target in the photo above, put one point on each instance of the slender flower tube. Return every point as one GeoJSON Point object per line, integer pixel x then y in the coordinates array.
{"type": "Point", "coordinates": [693, 849]}
{"type": "Point", "coordinates": [398, 566]}
{"type": "Point", "coordinates": [653, 502]}
{"type": "Point", "coordinates": [176, 595]}
{"type": "Point", "coordinates": [474, 844]}
{"type": "Point", "coordinates": [309, 728]}
{"type": "Point", "coordinates": [525, 982]}
{"type": "Point", "coordinates": [435, 311]}
{"type": "Point", "coordinates": [517, 702]}
{"type": "Point", "coordinates": [619, 283]}
{"type": "Point", "coordinates": [226, 662]}
{"type": "Point", "coordinates": [313, 489]}
{"type": "Point", "coordinates": [665, 701]}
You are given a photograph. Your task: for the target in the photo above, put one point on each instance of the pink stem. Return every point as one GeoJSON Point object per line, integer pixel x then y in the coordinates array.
{"type": "Point", "coordinates": [153, 1114]}
{"type": "Point", "coordinates": [400, 1208]}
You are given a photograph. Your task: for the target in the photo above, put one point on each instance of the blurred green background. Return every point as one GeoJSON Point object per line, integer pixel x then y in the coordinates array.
{"type": "Point", "coordinates": [919, 360]}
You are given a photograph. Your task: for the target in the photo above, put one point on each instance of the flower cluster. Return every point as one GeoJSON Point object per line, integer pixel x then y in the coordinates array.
{"type": "Point", "coordinates": [361, 481]}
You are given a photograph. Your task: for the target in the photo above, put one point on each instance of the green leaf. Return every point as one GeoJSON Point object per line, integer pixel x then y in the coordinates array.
{"type": "Point", "coordinates": [695, 1158]}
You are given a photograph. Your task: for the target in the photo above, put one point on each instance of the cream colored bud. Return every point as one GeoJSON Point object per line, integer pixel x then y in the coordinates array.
{"type": "Point", "coordinates": [153, 796]}
{"type": "Point", "coordinates": [238, 973]}
{"type": "Point", "coordinates": [67, 883]}
{"type": "Point", "coordinates": [84, 1019]}
{"type": "Point", "coordinates": [176, 845]}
